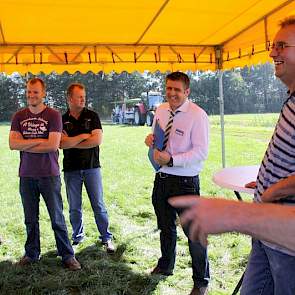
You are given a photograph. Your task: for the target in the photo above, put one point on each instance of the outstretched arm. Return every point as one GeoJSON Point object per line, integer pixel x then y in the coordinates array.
{"type": "Point", "coordinates": [269, 222]}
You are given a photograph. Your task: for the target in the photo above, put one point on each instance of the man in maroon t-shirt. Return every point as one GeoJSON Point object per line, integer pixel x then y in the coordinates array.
{"type": "Point", "coordinates": [36, 132]}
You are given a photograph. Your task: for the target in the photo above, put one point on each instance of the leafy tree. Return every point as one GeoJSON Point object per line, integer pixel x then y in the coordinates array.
{"type": "Point", "coordinates": [11, 95]}
{"type": "Point", "coordinates": [246, 90]}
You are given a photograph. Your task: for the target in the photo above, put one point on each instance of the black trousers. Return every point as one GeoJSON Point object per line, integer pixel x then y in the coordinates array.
{"type": "Point", "coordinates": [166, 186]}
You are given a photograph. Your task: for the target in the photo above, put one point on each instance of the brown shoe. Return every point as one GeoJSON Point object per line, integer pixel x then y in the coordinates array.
{"type": "Point", "coordinates": [72, 264]}
{"type": "Point", "coordinates": [199, 291]}
{"type": "Point", "coordinates": [159, 271]}
{"type": "Point", "coordinates": [25, 260]}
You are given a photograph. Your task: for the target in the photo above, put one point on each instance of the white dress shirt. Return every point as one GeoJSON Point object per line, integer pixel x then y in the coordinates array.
{"type": "Point", "coordinates": [188, 139]}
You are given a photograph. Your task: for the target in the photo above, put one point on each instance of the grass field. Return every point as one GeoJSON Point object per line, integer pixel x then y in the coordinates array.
{"type": "Point", "coordinates": [128, 180]}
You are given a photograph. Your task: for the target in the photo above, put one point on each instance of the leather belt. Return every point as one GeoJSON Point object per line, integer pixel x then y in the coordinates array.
{"type": "Point", "coordinates": [163, 175]}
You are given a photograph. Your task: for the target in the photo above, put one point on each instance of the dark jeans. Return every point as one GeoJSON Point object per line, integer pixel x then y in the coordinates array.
{"type": "Point", "coordinates": [49, 188]}
{"type": "Point", "coordinates": [166, 186]}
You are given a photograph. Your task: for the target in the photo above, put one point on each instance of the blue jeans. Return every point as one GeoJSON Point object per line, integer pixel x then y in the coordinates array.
{"type": "Point", "coordinates": [268, 272]}
{"type": "Point", "coordinates": [166, 186]}
{"type": "Point", "coordinates": [92, 180]}
{"type": "Point", "coordinates": [49, 188]}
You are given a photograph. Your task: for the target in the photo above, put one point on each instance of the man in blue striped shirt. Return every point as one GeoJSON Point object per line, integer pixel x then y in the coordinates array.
{"type": "Point", "coordinates": [271, 268]}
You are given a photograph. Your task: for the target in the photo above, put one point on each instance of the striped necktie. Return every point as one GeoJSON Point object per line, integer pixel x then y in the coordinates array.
{"type": "Point", "coordinates": [168, 129]}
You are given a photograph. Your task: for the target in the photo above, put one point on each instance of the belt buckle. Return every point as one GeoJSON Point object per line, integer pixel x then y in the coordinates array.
{"type": "Point", "coordinates": [163, 175]}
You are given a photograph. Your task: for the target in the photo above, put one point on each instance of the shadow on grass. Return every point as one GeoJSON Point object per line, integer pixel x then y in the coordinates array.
{"type": "Point", "coordinates": [101, 274]}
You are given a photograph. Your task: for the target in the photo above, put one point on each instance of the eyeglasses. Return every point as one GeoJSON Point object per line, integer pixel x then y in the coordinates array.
{"type": "Point", "coordinates": [280, 45]}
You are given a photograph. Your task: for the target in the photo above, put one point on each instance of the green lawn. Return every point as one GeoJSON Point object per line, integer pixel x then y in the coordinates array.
{"type": "Point", "coordinates": [128, 180]}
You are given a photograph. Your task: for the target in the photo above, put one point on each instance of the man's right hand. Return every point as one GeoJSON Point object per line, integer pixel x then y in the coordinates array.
{"type": "Point", "coordinates": [149, 140]}
{"type": "Point", "coordinates": [206, 216]}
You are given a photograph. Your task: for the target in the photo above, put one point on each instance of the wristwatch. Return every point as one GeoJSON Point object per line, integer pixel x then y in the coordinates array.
{"type": "Point", "coordinates": [170, 163]}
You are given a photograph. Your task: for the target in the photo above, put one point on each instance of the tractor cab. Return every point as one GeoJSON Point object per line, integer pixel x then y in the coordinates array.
{"type": "Point", "coordinates": [137, 111]}
{"type": "Point", "coordinates": [153, 99]}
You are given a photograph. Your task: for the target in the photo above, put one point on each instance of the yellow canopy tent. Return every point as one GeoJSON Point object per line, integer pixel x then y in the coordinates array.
{"type": "Point", "coordinates": [137, 35]}
{"type": "Point", "coordinates": [96, 35]}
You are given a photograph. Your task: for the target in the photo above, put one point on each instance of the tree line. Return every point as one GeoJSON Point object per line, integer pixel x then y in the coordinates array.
{"type": "Point", "coordinates": [246, 90]}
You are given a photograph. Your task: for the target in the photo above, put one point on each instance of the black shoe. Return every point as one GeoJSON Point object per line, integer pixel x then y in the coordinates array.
{"type": "Point", "coordinates": [159, 271]}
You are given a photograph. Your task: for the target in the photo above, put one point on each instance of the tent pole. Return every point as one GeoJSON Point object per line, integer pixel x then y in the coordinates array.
{"type": "Point", "coordinates": [221, 111]}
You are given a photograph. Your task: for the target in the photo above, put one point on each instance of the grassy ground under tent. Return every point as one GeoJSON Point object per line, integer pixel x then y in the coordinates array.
{"type": "Point", "coordinates": [128, 180]}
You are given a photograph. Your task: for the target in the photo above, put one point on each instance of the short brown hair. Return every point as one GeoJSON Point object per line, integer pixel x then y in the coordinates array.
{"type": "Point", "coordinates": [288, 21]}
{"type": "Point", "coordinates": [36, 80]}
{"type": "Point", "coordinates": [179, 76]}
{"type": "Point", "coordinates": [72, 86]}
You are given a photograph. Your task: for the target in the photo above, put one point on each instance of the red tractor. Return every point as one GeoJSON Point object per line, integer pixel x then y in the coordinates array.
{"type": "Point", "coordinates": [138, 111]}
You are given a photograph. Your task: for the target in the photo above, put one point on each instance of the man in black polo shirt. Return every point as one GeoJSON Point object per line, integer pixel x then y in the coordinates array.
{"type": "Point", "coordinates": [80, 142]}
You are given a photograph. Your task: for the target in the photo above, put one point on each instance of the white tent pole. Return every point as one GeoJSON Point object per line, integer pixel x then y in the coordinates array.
{"type": "Point", "coordinates": [221, 110]}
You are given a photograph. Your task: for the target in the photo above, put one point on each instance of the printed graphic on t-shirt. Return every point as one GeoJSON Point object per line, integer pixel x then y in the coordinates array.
{"type": "Point", "coordinates": [87, 124]}
{"type": "Point", "coordinates": [34, 128]}
{"type": "Point", "coordinates": [84, 127]}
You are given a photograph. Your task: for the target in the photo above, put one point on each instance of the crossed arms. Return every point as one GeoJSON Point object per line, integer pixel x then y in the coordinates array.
{"type": "Point", "coordinates": [36, 145]}
{"type": "Point", "coordinates": [54, 140]}
{"type": "Point", "coordinates": [81, 141]}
